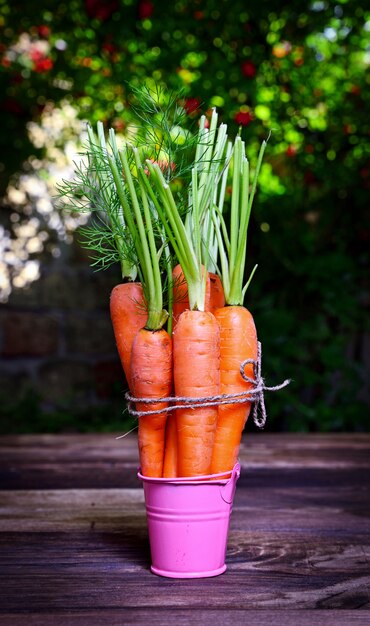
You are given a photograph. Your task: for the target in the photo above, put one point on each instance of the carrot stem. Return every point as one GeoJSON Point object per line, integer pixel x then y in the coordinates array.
{"type": "Point", "coordinates": [147, 266]}
{"type": "Point", "coordinates": [99, 157]}
{"type": "Point", "coordinates": [186, 254]}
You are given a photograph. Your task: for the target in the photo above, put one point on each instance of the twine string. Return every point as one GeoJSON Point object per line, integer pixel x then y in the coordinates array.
{"type": "Point", "coordinates": [255, 395]}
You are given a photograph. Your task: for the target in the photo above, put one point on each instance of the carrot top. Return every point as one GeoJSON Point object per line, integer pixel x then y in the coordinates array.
{"type": "Point", "coordinates": [90, 192]}
{"type": "Point", "coordinates": [192, 236]}
{"type": "Point", "coordinates": [148, 223]}
{"type": "Point", "coordinates": [232, 249]}
{"type": "Point", "coordinates": [139, 219]}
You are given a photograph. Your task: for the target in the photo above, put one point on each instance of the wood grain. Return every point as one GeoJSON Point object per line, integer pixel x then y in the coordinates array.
{"type": "Point", "coordinates": [74, 549]}
{"type": "Point", "coordinates": [84, 461]}
{"type": "Point", "coordinates": [185, 617]}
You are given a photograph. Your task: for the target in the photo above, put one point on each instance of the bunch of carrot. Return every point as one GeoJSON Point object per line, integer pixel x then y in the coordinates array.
{"type": "Point", "coordinates": [198, 259]}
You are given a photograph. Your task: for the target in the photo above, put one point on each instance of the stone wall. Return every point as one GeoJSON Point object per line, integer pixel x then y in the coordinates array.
{"type": "Point", "coordinates": [56, 337]}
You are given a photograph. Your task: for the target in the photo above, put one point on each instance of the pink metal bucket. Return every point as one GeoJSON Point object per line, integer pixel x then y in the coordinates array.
{"type": "Point", "coordinates": [188, 523]}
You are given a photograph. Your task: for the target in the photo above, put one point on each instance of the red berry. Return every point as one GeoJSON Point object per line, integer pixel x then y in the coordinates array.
{"type": "Point", "coordinates": [191, 105]}
{"type": "Point", "coordinates": [291, 151]}
{"type": "Point", "coordinates": [243, 118]}
{"type": "Point", "coordinates": [146, 9]}
{"type": "Point", "coordinates": [249, 69]}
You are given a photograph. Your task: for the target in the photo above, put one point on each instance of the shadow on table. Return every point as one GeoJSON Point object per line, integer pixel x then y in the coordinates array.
{"type": "Point", "coordinates": [130, 545]}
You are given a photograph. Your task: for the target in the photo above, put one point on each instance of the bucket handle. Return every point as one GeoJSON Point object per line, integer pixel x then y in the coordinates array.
{"type": "Point", "coordinates": [227, 491]}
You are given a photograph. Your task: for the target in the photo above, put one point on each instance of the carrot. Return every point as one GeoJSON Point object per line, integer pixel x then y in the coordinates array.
{"type": "Point", "coordinates": [238, 341]}
{"type": "Point", "coordinates": [217, 296]}
{"type": "Point", "coordinates": [180, 293]}
{"type": "Point", "coordinates": [170, 453]}
{"type": "Point", "coordinates": [238, 337]}
{"type": "Point", "coordinates": [151, 372]}
{"type": "Point", "coordinates": [151, 354]}
{"type": "Point", "coordinates": [214, 299]}
{"type": "Point", "coordinates": [181, 296]}
{"type": "Point", "coordinates": [138, 198]}
{"type": "Point", "coordinates": [196, 346]}
{"type": "Point", "coordinates": [196, 336]}
{"type": "Point", "coordinates": [128, 315]}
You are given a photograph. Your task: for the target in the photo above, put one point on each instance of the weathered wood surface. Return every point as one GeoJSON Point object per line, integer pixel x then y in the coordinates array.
{"type": "Point", "coordinates": [74, 550]}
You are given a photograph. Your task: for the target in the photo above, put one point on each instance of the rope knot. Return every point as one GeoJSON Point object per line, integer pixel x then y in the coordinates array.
{"type": "Point", "coordinates": [258, 386]}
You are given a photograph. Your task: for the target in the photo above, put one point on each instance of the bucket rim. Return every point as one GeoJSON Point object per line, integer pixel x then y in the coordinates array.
{"type": "Point", "coordinates": [193, 480]}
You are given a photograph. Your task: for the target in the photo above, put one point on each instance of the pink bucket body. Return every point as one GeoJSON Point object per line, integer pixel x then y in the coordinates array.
{"type": "Point", "coordinates": [188, 523]}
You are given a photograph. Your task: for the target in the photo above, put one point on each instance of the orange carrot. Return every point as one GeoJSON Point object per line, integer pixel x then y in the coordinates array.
{"type": "Point", "coordinates": [170, 453]}
{"type": "Point", "coordinates": [128, 315]}
{"type": "Point", "coordinates": [238, 341]}
{"type": "Point", "coordinates": [217, 296]}
{"type": "Point", "coordinates": [213, 297]}
{"type": "Point", "coordinates": [151, 375]}
{"type": "Point", "coordinates": [237, 329]}
{"type": "Point", "coordinates": [196, 374]}
{"type": "Point", "coordinates": [180, 293]}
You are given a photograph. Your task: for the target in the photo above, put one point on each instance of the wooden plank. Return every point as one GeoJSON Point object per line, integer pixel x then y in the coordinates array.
{"type": "Point", "coordinates": [68, 448]}
{"type": "Point", "coordinates": [187, 617]}
{"type": "Point", "coordinates": [119, 475]}
{"type": "Point", "coordinates": [73, 509]}
{"type": "Point", "coordinates": [234, 589]}
{"type": "Point", "coordinates": [298, 540]}
{"type": "Point", "coordinates": [257, 450]}
{"type": "Point", "coordinates": [57, 475]}
{"type": "Point", "coordinates": [128, 551]}
{"type": "Point", "coordinates": [67, 461]}
{"type": "Point", "coordinates": [286, 563]}
{"type": "Point", "coordinates": [77, 509]}
{"type": "Point", "coordinates": [82, 461]}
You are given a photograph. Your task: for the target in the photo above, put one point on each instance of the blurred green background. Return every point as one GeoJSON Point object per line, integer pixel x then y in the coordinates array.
{"type": "Point", "coordinates": [297, 68]}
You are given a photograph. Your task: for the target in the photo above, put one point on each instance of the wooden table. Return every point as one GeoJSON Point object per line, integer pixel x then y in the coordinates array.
{"type": "Point", "coordinates": [73, 542]}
